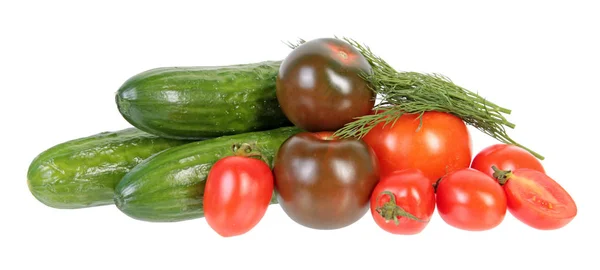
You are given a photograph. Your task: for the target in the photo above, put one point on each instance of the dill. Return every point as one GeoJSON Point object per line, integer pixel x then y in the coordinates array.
{"type": "Point", "coordinates": [416, 93]}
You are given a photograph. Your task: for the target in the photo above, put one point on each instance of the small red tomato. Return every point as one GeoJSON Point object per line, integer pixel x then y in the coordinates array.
{"type": "Point", "coordinates": [505, 157]}
{"type": "Point", "coordinates": [403, 202]}
{"type": "Point", "coordinates": [237, 193]}
{"type": "Point", "coordinates": [470, 200]}
{"type": "Point", "coordinates": [536, 199]}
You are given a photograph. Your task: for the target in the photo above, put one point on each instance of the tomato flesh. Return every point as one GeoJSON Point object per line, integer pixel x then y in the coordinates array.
{"type": "Point", "coordinates": [538, 201]}
{"type": "Point", "coordinates": [237, 193]}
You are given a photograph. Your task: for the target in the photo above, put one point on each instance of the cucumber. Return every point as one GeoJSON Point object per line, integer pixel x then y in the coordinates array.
{"type": "Point", "coordinates": [192, 103]}
{"type": "Point", "coordinates": [84, 172]}
{"type": "Point", "coordinates": [169, 186]}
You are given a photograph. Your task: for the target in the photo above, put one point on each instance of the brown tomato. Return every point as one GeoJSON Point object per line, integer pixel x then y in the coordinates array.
{"type": "Point", "coordinates": [325, 183]}
{"type": "Point", "coordinates": [319, 85]}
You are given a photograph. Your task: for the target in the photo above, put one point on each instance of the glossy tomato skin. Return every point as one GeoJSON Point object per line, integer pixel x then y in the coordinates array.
{"type": "Point", "coordinates": [440, 146]}
{"type": "Point", "coordinates": [470, 200]}
{"type": "Point", "coordinates": [413, 193]}
{"type": "Point", "coordinates": [505, 157]}
{"type": "Point", "coordinates": [324, 183]}
{"type": "Point", "coordinates": [319, 87]}
{"type": "Point", "coordinates": [237, 193]}
{"type": "Point", "coordinates": [539, 201]}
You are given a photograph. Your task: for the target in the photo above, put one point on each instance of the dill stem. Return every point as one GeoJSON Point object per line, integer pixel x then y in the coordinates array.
{"type": "Point", "coordinates": [412, 92]}
{"type": "Point", "coordinates": [417, 93]}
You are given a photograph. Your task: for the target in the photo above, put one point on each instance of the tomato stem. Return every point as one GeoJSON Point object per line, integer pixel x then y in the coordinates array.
{"type": "Point", "coordinates": [248, 150]}
{"type": "Point", "coordinates": [500, 175]}
{"type": "Point", "coordinates": [436, 184]}
{"type": "Point", "coordinates": [391, 211]}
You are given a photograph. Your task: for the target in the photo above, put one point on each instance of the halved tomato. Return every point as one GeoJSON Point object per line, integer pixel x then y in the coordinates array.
{"type": "Point", "coordinates": [536, 199]}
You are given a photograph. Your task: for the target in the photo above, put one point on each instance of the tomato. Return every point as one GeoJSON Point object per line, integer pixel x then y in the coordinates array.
{"type": "Point", "coordinates": [441, 145]}
{"type": "Point", "coordinates": [237, 193]}
{"type": "Point", "coordinates": [505, 157]}
{"type": "Point", "coordinates": [470, 200]}
{"type": "Point", "coordinates": [536, 199]}
{"type": "Point", "coordinates": [403, 202]}
{"type": "Point", "coordinates": [320, 87]}
{"type": "Point", "coordinates": [324, 182]}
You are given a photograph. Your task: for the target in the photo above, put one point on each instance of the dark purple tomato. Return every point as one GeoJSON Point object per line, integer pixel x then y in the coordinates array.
{"type": "Point", "coordinates": [319, 85]}
{"type": "Point", "coordinates": [323, 182]}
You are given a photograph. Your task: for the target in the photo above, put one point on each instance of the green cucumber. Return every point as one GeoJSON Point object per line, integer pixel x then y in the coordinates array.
{"type": "Point", "coordinates": [203, 102]}
{"type": "Point", "coordinates": [84, 172]}
{"type": "Point", "coordinates": [169, 186]}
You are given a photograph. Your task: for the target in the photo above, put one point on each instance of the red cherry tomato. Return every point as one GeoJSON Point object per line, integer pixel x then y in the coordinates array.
{"type": "Point", "coordinates": [471, 200]}
{"type": "Point", "coordinates": [237, 193]}
{"type": "Point", "coordinates": [536, 199]}
{"type": "Point", "coordinates": [441, 145]}
{"type": "Point", "coordinates": [505, 157]}
{"type": "Point", "coordinates": [403, 202]}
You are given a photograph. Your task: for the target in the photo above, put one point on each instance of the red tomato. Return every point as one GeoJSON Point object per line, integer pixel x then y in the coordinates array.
{"type": "Point", "coordinates": [537, 200]}
{"type": "Point", "coordinates": [505, 157]}
{"type": "Point", "coordinates": [237, 193]}
{"type": "Point", "coordinates": [442, 144]}
{"type": "Point", "coordinates": [403, 202]}
{"type": "Point", "coordinates": [471, 200]}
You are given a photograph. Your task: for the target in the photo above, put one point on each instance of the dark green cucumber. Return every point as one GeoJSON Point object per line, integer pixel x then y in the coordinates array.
{"type": "Point", "coordinates": [84, 172]}
{"type": "Point", "coordinates": [169, 186]}
{"type": "Point", "coordinates": [203, 102]}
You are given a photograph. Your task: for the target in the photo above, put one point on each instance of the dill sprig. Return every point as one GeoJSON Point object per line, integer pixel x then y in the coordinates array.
{"type": "Point", "coordinates": [417, 93]}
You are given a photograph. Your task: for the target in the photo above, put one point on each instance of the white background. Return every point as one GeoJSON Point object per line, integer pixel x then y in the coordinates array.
{"type": "Point", "coordinates": [62, 61]}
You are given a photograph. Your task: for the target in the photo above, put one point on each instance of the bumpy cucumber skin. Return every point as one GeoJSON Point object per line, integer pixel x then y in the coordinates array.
{"type": "Point", "coordinates": [84, 172]}
{"type": "Point", "coordinates": [169, 186]}
{"type": "Point", "coordinates": [193, 103]}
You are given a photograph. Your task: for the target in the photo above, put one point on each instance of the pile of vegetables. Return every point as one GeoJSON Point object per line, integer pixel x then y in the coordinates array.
{"type": "Point", "coordinates": [224, 143]}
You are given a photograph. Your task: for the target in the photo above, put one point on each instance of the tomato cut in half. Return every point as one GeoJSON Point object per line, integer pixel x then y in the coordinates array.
{"type": "Point", "coordinates": [536, 199]}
